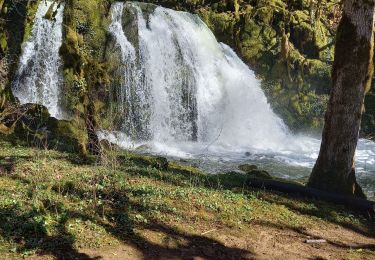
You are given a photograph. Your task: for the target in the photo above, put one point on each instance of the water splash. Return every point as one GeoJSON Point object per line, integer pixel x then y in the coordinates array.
{"type": "Point", "coordinates": [38, 78]}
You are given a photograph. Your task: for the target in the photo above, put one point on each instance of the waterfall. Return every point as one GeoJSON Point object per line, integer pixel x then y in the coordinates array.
{"type": "Point", "coordinates": [132, 93]}
{"type": "Point", "coordinates": [179, 84]}
{"type": "Point", "coordinates": [39, 78]}
{"type": "Point", "coordinates": [178, 92]}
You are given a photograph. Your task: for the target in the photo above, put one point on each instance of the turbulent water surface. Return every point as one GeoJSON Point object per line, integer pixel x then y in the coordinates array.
{"type": "Point", "coordinates": [192, 98]}
{"type": "Point", "coordinates": [39, 78]}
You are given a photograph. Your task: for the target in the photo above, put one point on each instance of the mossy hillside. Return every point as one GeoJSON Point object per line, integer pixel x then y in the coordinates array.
{"type": "Point", "coordinates": [32, 7]}
{"type": "Point", "coordinates": [296, 82]}
{"type": "Point", "coordinates": [83, 51]}
{"type": "Point", "coordinates": [85, 71]}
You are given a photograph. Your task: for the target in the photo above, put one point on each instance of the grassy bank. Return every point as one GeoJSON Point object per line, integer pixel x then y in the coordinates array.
{"type": "Point", "coordinates": [126, 206]}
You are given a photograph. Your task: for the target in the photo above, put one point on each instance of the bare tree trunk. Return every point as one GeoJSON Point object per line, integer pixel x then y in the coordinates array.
{"type": "Point", "coordinates": [334, 170]}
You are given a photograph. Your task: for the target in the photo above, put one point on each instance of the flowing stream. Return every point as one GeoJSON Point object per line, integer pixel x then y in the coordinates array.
{"type": "Point", "coordinates": [39, 78]}
{"type": "Point", "coordinates": [185, 96]}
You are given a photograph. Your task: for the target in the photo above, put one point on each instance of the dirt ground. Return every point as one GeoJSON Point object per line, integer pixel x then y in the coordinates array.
{"type": "Point", "coordinates": [262, 241]}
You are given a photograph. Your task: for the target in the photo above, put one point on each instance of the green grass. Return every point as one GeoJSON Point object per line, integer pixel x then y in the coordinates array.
{"type": "Point", "coordinates": [51, 201]}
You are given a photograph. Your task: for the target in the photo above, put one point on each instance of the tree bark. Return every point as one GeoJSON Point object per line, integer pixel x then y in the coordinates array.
{"type": "Point", "coordinates": [334, 170]}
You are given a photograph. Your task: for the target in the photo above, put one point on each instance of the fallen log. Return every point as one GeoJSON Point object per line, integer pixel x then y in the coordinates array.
{"type": "Point", "coordinates": [291, 188]}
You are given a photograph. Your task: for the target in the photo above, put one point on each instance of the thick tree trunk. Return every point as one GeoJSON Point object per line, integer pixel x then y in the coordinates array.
{"type": "Point", "coordinates": [352, 72]}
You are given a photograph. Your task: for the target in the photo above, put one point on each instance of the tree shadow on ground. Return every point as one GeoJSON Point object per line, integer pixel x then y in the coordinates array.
{"type": "Point", "coordinates": [27, 231]}
{"type": "Point", "coordinates": [237, 182]}
{"type": "Point", "coordinates": [326, 211]}
{"type": "Point", "coordinates": [189, 246]}
{"type": "Point", "coordinates": [123, 228]}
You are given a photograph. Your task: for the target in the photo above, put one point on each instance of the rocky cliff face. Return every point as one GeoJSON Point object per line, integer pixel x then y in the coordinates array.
{"type": "Point", "coordinates": [289, 44]}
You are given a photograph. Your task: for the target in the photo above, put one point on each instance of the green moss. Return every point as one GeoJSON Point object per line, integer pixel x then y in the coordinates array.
{"type": "Point", "coordinates": [247, 167]}
{"type": "Point", "coordinates": [68, 135]}
{"type": "Point", "coordinates": [32, 8]}
{"type": "Point", "coordinates": [251, 41]}
{"type": "Point", "coordinates": [49, 15]}
{"type": "Point", "coordinates": [3, 42]}
{"type": "Point", "coordinates": [36, 128]}
{"type": "Point", "coordinates": [222, 24]}
{"type": "Point", "coordinates": [88, 18]}
{"type": "Point", "coordinates": [184, 169]}
{"type": "Point", "coordinates": [156, 162]}
{"type": "Point", "coordinates": [259, 174]}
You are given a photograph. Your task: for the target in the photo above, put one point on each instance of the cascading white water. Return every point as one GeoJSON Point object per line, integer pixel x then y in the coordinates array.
{"type": "Point", "coordinates": [132, 95]}
{"type": "Point", "coordinates": [38, 78]}
{"type": "Point", "coordinates": [183, 94]}
{"type": "Point", "coordinates": [192, 87]}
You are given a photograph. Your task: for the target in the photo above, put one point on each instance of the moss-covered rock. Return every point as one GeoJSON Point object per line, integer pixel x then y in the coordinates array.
{"type": "Point", "coordinates": [247, 167]}
{"type": "Point", "coordinates": [85, 71]}
{"type": "Point", "coordinates": [157, 162]}
{"type": "Point", "coordinates": [253, 172]}
{"type": "Point", "coordinates": [31, 124]}
{"type": "Point", "coordinates": [259, 174]}
{"type": "Point", "coordinates": [188, 170]}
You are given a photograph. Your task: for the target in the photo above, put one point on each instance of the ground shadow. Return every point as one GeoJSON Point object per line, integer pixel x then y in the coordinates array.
{"type": "Point", "coordinates": [324, 210]}
{"type": "Point", "coordinates": [122, 227]}
{"type": "Point", "coordinates": [27, 231]}
{"type": "Point", "coordinates": [237, 182]}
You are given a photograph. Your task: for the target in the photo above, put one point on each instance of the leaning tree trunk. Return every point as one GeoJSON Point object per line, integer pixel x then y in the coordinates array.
{"type": "Point", "coordinates": [334, 170]}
